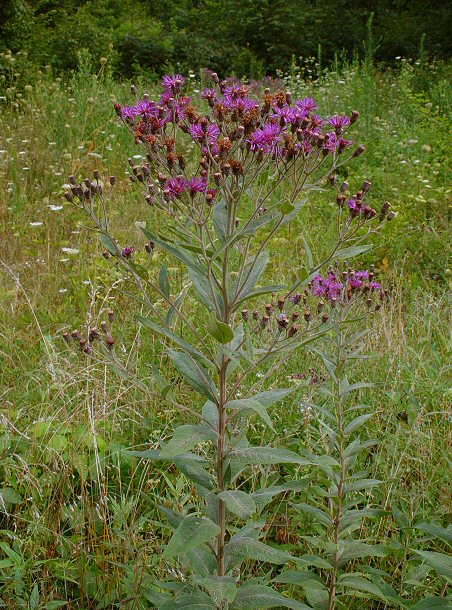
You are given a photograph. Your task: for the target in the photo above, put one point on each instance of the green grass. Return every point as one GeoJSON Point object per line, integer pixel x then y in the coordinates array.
{"type": "Point", "coordinates": [89, 516]}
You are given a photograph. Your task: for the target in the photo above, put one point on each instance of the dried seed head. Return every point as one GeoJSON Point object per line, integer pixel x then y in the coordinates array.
{"type": "Point", "coordinates": [269, 309]}
{"type": "Point", "coordinates": [104, 326]}
{"type": "Point", "coordinates": [111, 315]}
{"type": "Point", "coordinates": [281, 303]}
{"type": "Point", "coordinates": [307, 315]}
{"type": "Point", "coordinates": [93, 334]}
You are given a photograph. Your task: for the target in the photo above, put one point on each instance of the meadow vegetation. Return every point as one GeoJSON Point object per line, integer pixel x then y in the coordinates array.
{"type": "Point", "coordinates": [80, 519]}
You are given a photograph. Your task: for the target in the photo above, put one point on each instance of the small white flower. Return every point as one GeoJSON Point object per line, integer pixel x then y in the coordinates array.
{"type": "Point", "coordinates": [62, 290]}
{"type": "Point", "coordinates": [36, 224]}
{"type": "Point", "coordinates": [70, 250]}
{"type": "Point", "coordinates": [55, 208]}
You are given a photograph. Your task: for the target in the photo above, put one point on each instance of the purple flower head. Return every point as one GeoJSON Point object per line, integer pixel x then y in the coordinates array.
{"type": "Point", "coordinates": [197, 185]}
{"type": "Point", "coordinates": [325, 287]}
{"type": "Point", "coordinates": [235, 90]}
{"type": "Point", "coordinates": [316, 121]}
{"type": "Point", "coordinates": [199, 133]}
{"type": "Point", "coordinates": [173, 83]}
{"type": "Point", "coordinates": [209, 94]}
{"type": "Point", "coordinates": [176, 186]}
{"type": "Point", "coordinates": [284, 114]}
{"type": "Point", "coordinates": [127, 252]}
{"type": "Point", "coordinates": [306, 105]}
{"type": "Point", "coordinates": [129, 113]}
{"type": "Point", "coordinates": [362, 275]}
{"type": "Point", "coordinates": [374, 286]}
{"type": "Point", "coordinates": [265, 138]}
{"type": "Point", "coordinates": [339, 122]}
{"type": "Point", "coordinates": [211, 194]}
{"type": "Point", "coordinates": [240, 104]}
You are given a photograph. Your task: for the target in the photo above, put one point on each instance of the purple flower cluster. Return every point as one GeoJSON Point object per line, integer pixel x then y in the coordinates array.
{"type": "Point", "coordinates": [335, 288]}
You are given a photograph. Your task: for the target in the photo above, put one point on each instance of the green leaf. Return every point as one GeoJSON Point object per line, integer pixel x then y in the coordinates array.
{"type": "Point", "coordinates": [176, 250]}
{"type": "Point", "coordinates": [352, 251]}
{"type": "Point", "coordinates": [186, 437]}
{"type": "Point", "coordinates": [164, 282]}
{"type": "Point", "coordinates": [245, 405]}
{"type": "Point", "coordinates": [357, 550]}
{"type": "Point", "coordinates": [433, 603]}
{"type": "Point", "coordinates": [361, 485]}
{"type": "Point", "coordinates": [175, 305]}
{"type": "Point", "coordinates": [323, 517]}
{"type": "Point", "coordinates": [222, 587]}
{"type": "Point", "coordinates": [266, 455]}
{"type": "Point", "coordinates": [195, 472]}
{"type": "Point", "coordinates": [250, 548]}
{"type": "Point", "coordinates": [357, 423]}
{"type": "Point", "coordinates": [194, 601]}
{"type": "Point", "coordinates": [307, 249]}
{"type": "Point", "coordinates": [109, 244]}
{"type": "Point", "coordinates": [220, 220]}
{"type": "Point", "coordinates": [238, 502]}
{"type": "Point", "coordinates": [187, 347]}
{"type": "Point", "coordinates": [270, 397]}
{"type": "Point", "coordinates": [303, 578]}
{"type": "Point", "coordinates": [220, 331]}
{"type": "Point", "coordinates": [191, 532]}
{"type": "Point", "coordinates": [202, 560]}
{"type": "Point", "coordinates": [441, 562]}
{"type": "Point", "coordinates": [252, 596]}
{"type": "Point", "coordinates": [436, 530]}
{"type": "Point", "coordinates": [264, 496]}
{"type": "Point", "coordinates": [10, 496]}
{"type": "Point", "coordinates": [195, 374]}
{"type": "Point", "coordinates": [361, 584]}
{"type": "Point", "coordinates": [286, 207]}
{"type": "Point", "coordinates": [250, 277]}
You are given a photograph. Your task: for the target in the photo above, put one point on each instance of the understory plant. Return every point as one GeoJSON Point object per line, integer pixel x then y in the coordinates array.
{"type": "Point", "coordinates": [228, 175]}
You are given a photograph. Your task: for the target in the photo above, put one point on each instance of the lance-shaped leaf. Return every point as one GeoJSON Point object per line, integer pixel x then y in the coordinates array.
{"type": "Point", "coordinates": [222, 587]}
{"type": "Point", "coordinates": [357, 423]}
{"type": "Point", "coordinates": [186, 437]}
{"type": "Point", "coordinates": [436, 530]}
{"type": "Point", "coordinates": [260, 456]}
{"type": "Point", "coordinates": [258, 292]}
{"type": "Point", "coordinates": [204, 291]}
{"type": "Point", "coordinates": [250, 548]}
{"type": "Point", "coordinates": [360, 584]}
{"type": "Point", "coordinates": [108, 242]}
{"type": "Point", "coordinates": [270, 397]}
{"type": "Point", "coordinates": [220, 331]}
{"type": "Point", "coordinates": [254, 596]}
{"type": "Point", "coordinates": [441, 562]}
{"type": "Point", "coordinates": [197, 600]}
{"type": "Point", "coordinates": [244, 406]}
{"type": "Point", "coordinates": [433, 603]}
{"type": "Point", "coordinates": [238, 502]}
{"type": "Point", "coordinates": [194, 373]}
{"type": "Point", "coordinates": [346, 253]}
{"type": "Point", "coordinates": [250, 277]}
{"type": "Point", "coordinates": [164, 282]}
{"type": "Point", "coordinates": [263, 496]}
{"type": "Point", "coordinates": [202, 560]}
{"type": "Point", "coordinates": [195, 472]}
{"type": "Point", "coordinates": [220, 220]}
{"type": "Point", "coordinates": [161, 330]}
{"type": "Point", "coordinates": [356, 550]}
{"type": "Point", "coordinates": [191, 532]}
{"type": "Point", "coordinates": [176, 250]}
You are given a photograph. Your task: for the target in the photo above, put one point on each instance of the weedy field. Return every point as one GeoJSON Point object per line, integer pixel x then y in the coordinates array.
{"type": "Point", "coordinates": [80, 519]}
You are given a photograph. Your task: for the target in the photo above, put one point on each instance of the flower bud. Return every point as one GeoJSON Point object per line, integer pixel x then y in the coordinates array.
{"type": "Point", "coordinates": [354, 117]}
{"type": "Point", "coordinates": [307, 315]}
{"type": "Point", "coordinates": [359, 151]}
{"type": "Point", "coordinates": [110, 341]}
{"type": "Point", "coordinates": [93, 334]}
{"type": "Point", "coordinates": [264, 321]}
{"type": "Point", "coordinates": [293, 330]}
{"type": "Point", "coordinates": [96, 174]}
{"type": "Point", "coordinates": [255, 314]}
{"type": "Point", "coordinates": [295, 316]}
{"type": "Point", "coordinates": [111, 315]}
{"type": "Point", "coordinates": [149, 247]}
{"type": "Point", "coordinates": [269, 309]}
{"type": "Point", "coordinates": [67, 337]}
{"type": "Point", "coordinates": [112, 180]}
{"type": "Point", "coordinates": [75, 334]}
{"type": "Point", "coordinates": [104, 326]}
{"type": "Point", "coordinates": [281, 303]}
{"type": "Point", "coordinates": [366, 186]}
{"type": "Point", "coordinates": [106, 254]}
{"type": "Point", "coordinates": [325, 317]}
{"type": "Point", "coordinates": [68, 195]}
{"type": "Point", "coordinates": [384, 210]}
{"type": "Point", "coordinates": [344, 186]}
{"type": "Point", "coordinates": [133, 89]}
{"type": "Point", "coordinates": [391, 215]}
{"type": "Point", "coordinates": [245, 315]}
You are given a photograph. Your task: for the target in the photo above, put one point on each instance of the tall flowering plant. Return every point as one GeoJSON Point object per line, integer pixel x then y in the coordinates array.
{"type": "Point", "coordinates": [230, 173]}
